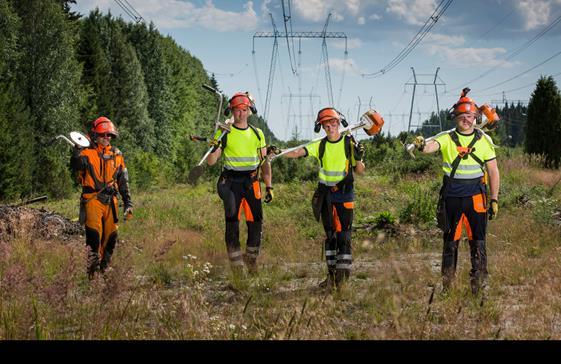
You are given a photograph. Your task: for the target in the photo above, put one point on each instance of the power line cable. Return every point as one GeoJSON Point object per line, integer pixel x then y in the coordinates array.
{"type": "Point", "coordinates": [497, 24]}
{"type": "Point", "coordinates": [130, 10]}
{"type": "Point", "coordinates": [516, 89]}
{"type": "Point", "coordinates": [522, 73]}
{"type": "Point", "coordinates": [425, 29]}
{"type": "Point", "coordinates": [514, 53]}
{"type": "Point", "coordinates": [290, 14]}
{"type": "Point", "coordinates": [287, 19]}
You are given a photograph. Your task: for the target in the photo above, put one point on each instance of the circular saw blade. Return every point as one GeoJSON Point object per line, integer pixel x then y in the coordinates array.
{"type": "Point", "coordinates": [79, 139]}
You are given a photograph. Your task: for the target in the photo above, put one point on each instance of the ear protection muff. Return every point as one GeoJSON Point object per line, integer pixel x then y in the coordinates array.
{"type": "Point", "coordinates": [317, 127]}
{"type": "Point", "coordinates": [342, 119]}
{"type": "Point", "coordinates": [246, 94]}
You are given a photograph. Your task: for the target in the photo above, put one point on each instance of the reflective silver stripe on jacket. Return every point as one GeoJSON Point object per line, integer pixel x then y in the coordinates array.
{"type": "Point", "coordinates": [462, 167]}
{"type": "Point", "coordinates": [328, 183]}
{"type": "Point", "coordinates": [466, 176]}
{"type": "Point", "coordinates": [243, 168]}
{"type": "Point", "coordinates": [332, 173]}
{"type": "Point", "coordinates": [241, 159]}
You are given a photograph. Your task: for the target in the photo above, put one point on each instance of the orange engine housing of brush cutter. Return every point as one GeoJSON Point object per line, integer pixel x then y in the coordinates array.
{"type": "Point", "coordinates": [374, 120]}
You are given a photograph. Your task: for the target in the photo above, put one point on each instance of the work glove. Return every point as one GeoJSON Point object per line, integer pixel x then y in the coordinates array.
{"type": "Point", "coordinates": [493, 209]}
{"type": "Point", "coordinates": [419, 143]}
{"type": "Point", "coordinates": [128, 212]}
{"type": "Point", "coordinates": [359, 151]}
{"type": "Point", "coordinates": [269, 194]}
{"type": "Point", "coordinates": [273, 150]}
{"type": "Point", "coordinates": [215, 144]}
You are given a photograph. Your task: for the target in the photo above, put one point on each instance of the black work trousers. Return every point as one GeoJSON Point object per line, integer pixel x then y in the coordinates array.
{"type": "Point", "coordinates": [241, 194]}
{"type": "Point", "coordinates": [337, 219]}
{"type": "Point", "coordinates": [471, 214]}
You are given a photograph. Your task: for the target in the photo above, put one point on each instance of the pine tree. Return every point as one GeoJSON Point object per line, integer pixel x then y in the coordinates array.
{"type": "Point", "coordinates": [48, 81]}
{"type": "Point", "coordinates": [16, 141]}
{"type": "Point", "coordinates": [114, 81]}
{"type": "Point", "coordinates": [130, 100]}
{"type": "Point", "coordinates": [543, 129]}
{"type": "Point", "coordinates": [147, 43]}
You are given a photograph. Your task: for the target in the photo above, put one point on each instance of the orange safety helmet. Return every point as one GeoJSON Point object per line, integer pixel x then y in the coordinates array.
{"type": "Point", "coordinates": [464, 105]}
{"type": "Point", "coordinates": [326, 114]}
{"type": "Point", "coordinates": [103, 125]}
{"type": "Point", "coordinates": [239, 99]}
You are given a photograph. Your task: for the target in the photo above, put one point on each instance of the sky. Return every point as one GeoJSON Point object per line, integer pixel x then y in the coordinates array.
{"type": "Point", "coordinates": [498, 48]}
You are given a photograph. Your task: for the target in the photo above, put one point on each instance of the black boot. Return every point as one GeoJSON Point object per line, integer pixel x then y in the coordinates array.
{"type": "Point", "coordinates": [251, 263]}
{"type": "Point", "coordinates": [329, 284]}
{"type": "Point", "coordinates": [341, 277]}
{"type": "Point", "coordinates": [449, 262]}
{"type": "Point", "coordinates": [92, 264]}
{"type": "Point", "coordinates": [478, 273]}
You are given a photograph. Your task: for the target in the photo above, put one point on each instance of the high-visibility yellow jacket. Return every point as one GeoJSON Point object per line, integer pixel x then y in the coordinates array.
{"type": "Point", "coordinates": [242, 150]}
{"type": "Point", "coordinates": [334, 165]}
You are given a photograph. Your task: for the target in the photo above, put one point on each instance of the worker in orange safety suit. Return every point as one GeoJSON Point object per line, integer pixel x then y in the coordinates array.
{"type": "Point", "coordinates": [102, 173]}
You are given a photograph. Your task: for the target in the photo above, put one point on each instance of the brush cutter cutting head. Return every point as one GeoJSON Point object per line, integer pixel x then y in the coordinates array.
{"type": "Point", "coordinates": [79, 139]}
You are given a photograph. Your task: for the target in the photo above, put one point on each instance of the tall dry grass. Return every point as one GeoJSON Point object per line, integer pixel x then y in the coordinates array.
{"type": "Point", "coordinates": [171, 279]}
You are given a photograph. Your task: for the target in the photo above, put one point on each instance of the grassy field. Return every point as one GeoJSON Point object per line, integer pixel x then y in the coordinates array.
{"type": "Point", "coordinates": [171, 277]}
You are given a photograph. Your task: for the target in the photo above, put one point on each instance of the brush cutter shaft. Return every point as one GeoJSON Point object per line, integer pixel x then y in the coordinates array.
{"type": "Point", "coordinates": [65, 139]}
{"type": "Point", "coordinates": [411, 147]}
{"type": "Point", "coordinates": [348, 129]}
{"type": "Point", "coordinates": [224, 132]}
{"type": "Point", "coordinates": [207, 87]}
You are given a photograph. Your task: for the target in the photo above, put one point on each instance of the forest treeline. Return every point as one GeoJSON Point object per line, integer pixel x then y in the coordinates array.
{"type": "Point", "coordinates": [60, 70]}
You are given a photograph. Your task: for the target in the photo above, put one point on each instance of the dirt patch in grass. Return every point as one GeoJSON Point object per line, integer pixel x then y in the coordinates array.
{"type": "Point", "coordinates": [38, 223]}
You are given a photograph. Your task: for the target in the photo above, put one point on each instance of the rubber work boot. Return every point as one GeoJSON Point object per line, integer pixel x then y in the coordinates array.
{"type": "Point", "coordinates": [447, 279]}
{"type": "Point", "coordinates": [341, 277]}
{"type": "Point", "coordinates": [329, 284]}
{"type": "Point", "coordinates": [250, 263]}
{"type": "Point", "coordinates": [474, 283]}
{"type": "Point", "coordinates": [92, 264]}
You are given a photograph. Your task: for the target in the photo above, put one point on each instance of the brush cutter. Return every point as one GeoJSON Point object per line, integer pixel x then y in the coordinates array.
{"type": "Point", "coordinates": [77, 139]}
{"type": "Point", "coordinates": [371, 121]}
{"type": "Point", "coordinates": [197, 171]}
{"type": "Point", "coordinates": [490, 124]}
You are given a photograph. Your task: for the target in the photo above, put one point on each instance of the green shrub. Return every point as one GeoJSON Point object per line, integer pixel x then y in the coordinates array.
{"type": "Point", "coordinates": [144, 169]}
{"type": "Point", "coordinates": [420, 209]}
{"type": "Point", "coordinates": [384, 218]}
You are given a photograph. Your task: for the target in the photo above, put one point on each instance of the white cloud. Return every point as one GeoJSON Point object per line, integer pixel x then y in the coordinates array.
{"type": "Point", "coordinates": [534, 12]}
{"type": "Point", "coordinates": [336, 65]}
{"type": "Point", "coordinates": [360, 20]}
{"type": "Point", "coordinates": [265, 9]}
{"type": "Point", "coordinates": [339, 65]}
{"type": "Point", "coordinates": [352, 43]}
{"type": "Point", "coordinates": [469, 57]}
{"type": "Point", "coordinates": [178, 14]}
{"type": "Point", "coordinates": [414, 12]}
{"type": "Point", "coordinates": [377, 17]}
{"type": "Point", "coordinates": [336, 16]}
{"type": "Point", "coordinates": [353, 6]}
{"type": "Point", "coordinates": [317, 10]}
{"type": "Point", "coordinates": [443, 39]}
{"type": "Point", "coordinates": [314, 10]}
